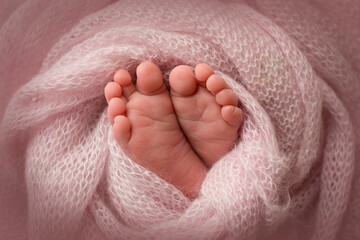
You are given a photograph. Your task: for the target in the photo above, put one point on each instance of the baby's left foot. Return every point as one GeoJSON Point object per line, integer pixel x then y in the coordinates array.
{"type": "Point", "coordinates": [206, 110]}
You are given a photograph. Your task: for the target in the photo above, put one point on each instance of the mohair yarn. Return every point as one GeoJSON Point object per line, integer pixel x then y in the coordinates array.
{"type": "Point", "coordinates": [293, 174]}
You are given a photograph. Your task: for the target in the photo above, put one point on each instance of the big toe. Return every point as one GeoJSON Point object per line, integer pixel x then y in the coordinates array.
{"type": "Point", "coordinates": [149, 79]}
{"type": "Point", "coordinates": [182, 81]}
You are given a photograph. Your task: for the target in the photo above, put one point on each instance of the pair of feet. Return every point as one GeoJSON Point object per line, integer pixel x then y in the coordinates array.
{"type": "Point", "coordinates": [179, 134]}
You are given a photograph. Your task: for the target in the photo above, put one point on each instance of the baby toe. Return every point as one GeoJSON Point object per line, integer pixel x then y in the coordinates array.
{"type": "Point", "coordinates": [226, 97]}
{"type": "Point", "coordinates": [116, 107]}
{"type": "Point", "coordinates": [203, 72]}
{"type": "Point", "coordinates": [123, 78]}
{"type": "Point", "coordinates": [232, 115]}
{"type": "Point", "coordinates": [111, 90]}
{"type": "Point", "coordinates": [182, 81]}
{"type": "Point", "coordinates": [215, 83]}
{"type": "Point", "coordinates": [121, 130]}
{"type": "Point", "coordinates": [149, 79]}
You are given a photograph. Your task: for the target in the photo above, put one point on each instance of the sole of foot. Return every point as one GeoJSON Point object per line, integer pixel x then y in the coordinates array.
{"type": "Point", "coordinates": [207, 111]}
{"type": "Point", "coordinates": [146, 128]}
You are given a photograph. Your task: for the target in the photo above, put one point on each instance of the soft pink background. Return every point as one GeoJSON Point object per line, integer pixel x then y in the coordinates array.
{"type": "Point", "coordinates": [294, 174]}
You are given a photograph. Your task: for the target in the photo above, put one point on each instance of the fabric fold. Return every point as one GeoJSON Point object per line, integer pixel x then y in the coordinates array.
{"type": "Point", "coordinates": [293, 173]}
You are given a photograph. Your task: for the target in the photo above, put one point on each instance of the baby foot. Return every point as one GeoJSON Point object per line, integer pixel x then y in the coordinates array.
{"type": "Point", "coordinates": [207, 111]}
{"type": "Point", "coordinates": [146, 128]}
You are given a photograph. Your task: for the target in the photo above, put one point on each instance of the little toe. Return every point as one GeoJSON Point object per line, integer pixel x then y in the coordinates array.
{"type": "Point", "coordinates": [226, 97]}
{"type": "Point", "coordinates": [116, 107]}
{"type": "Point", "coordinates": [123, 78]}
{"type": "Point", "coordinates": [111, 90]}
{"type": "Point", "coordinates": [182, 81]}
{"type": "Point", "coordinates": [215, 83]}
{"type": "Point", "coordinates": [149, 79]}
{"type": "Point", "coordinates": [203, 72]}
{"type": "Point", "coordinates": [232, 115]}
{"type": "Point", "coordinates": [121, 130]}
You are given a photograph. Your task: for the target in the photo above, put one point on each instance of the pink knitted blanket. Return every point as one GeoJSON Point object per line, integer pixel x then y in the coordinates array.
{"type": "Point", "coordinates": [293, 174]}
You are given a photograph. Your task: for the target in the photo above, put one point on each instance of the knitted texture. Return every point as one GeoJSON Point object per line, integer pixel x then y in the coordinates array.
{"type": "Point", "coordinates": [293, 174]}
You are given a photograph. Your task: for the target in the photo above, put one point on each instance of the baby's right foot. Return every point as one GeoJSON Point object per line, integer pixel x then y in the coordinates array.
{"type": "Point", "coordinates": [206, 110]}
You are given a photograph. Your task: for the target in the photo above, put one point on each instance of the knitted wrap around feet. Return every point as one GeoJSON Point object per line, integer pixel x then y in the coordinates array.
{"type": "Point", "coordinates": [293, 174]}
